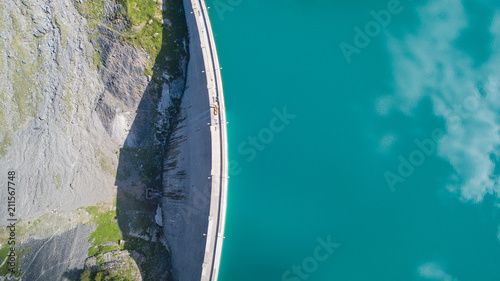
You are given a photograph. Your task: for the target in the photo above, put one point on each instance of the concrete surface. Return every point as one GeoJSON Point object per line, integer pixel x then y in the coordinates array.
{"type": "Point", "coordinates": [195, 169]}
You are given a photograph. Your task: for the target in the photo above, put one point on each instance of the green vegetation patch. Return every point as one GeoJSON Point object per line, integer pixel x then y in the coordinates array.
{"type": "Point", "coordinates": [108, 248]}
{"type": "Point", "coordinates": [3, 254]}
{"type": "Point", "coordinates": [103, 274]}
{"type": "Point", "coordinates": [107, 229]}
{"type": "Point", "coordinates": [145, 25]}
{"type": "Point", "coordinates": [4, 269]}
{"type": "Point", "coordinates": [147, 31]}
{"type": "Point", "coordinates": [92, 10]}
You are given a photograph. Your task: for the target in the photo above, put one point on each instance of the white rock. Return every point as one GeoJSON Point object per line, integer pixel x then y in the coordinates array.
{"type": "Point", "coordinates": [159, 217]}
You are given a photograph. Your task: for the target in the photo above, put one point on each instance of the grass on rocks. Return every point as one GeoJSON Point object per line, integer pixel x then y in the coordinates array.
{"type": "Point", "coordinates": [145, 30]}
{"type": "Point", "coordinates": [134, 217]}
{"type": "Point", "coordinates": [103, 275]}
{"type": "Point", "coordinates": [137, 218]}
{"type": "Point", "coordinates": [145, 25]}
{"type": "Point", "coordinates": [92, 10]}
{"type": "Point", "coordinates": [4, 269]}
{"type": "Point", "coordinates": [108, 248]}
{"type": "Point", "coordinates": [107, 229]}
{"type": "Point", "coordinates": [159, 40]}
{"type": "Point", "coordinates": [3, 255]}
{"type": "Point", "coordinates": [123, 273]}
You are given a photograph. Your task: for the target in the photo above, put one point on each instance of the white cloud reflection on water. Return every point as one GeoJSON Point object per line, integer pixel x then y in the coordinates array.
{"type": "Point", "coordinates": [429, 63]}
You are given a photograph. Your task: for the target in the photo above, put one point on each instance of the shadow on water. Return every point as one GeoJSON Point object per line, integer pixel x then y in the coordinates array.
{"type": "Point", "coordinates": [140, 164]}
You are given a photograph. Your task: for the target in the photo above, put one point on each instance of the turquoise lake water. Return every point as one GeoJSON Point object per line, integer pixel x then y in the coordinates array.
{"type": "Point", "coordinates": [325, 172]}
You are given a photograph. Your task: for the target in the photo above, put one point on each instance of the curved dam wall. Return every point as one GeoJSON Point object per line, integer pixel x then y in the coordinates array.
{"type": "Point", "coordinates": [219, 178]}
{"type": "Point", "coordinates": [196, 166]}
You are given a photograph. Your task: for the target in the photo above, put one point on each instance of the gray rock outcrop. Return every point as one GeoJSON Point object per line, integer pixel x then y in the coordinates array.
{"type": "Point", "coordinates": [84, 117]}
{"type": "Point", "coordinates": [115, 264]}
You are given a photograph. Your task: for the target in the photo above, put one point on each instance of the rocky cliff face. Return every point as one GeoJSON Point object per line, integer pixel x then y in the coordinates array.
{"type": "Point", "coordinates": [89, 89]}
{"type": "Point", "coordinates": [113, 265]}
